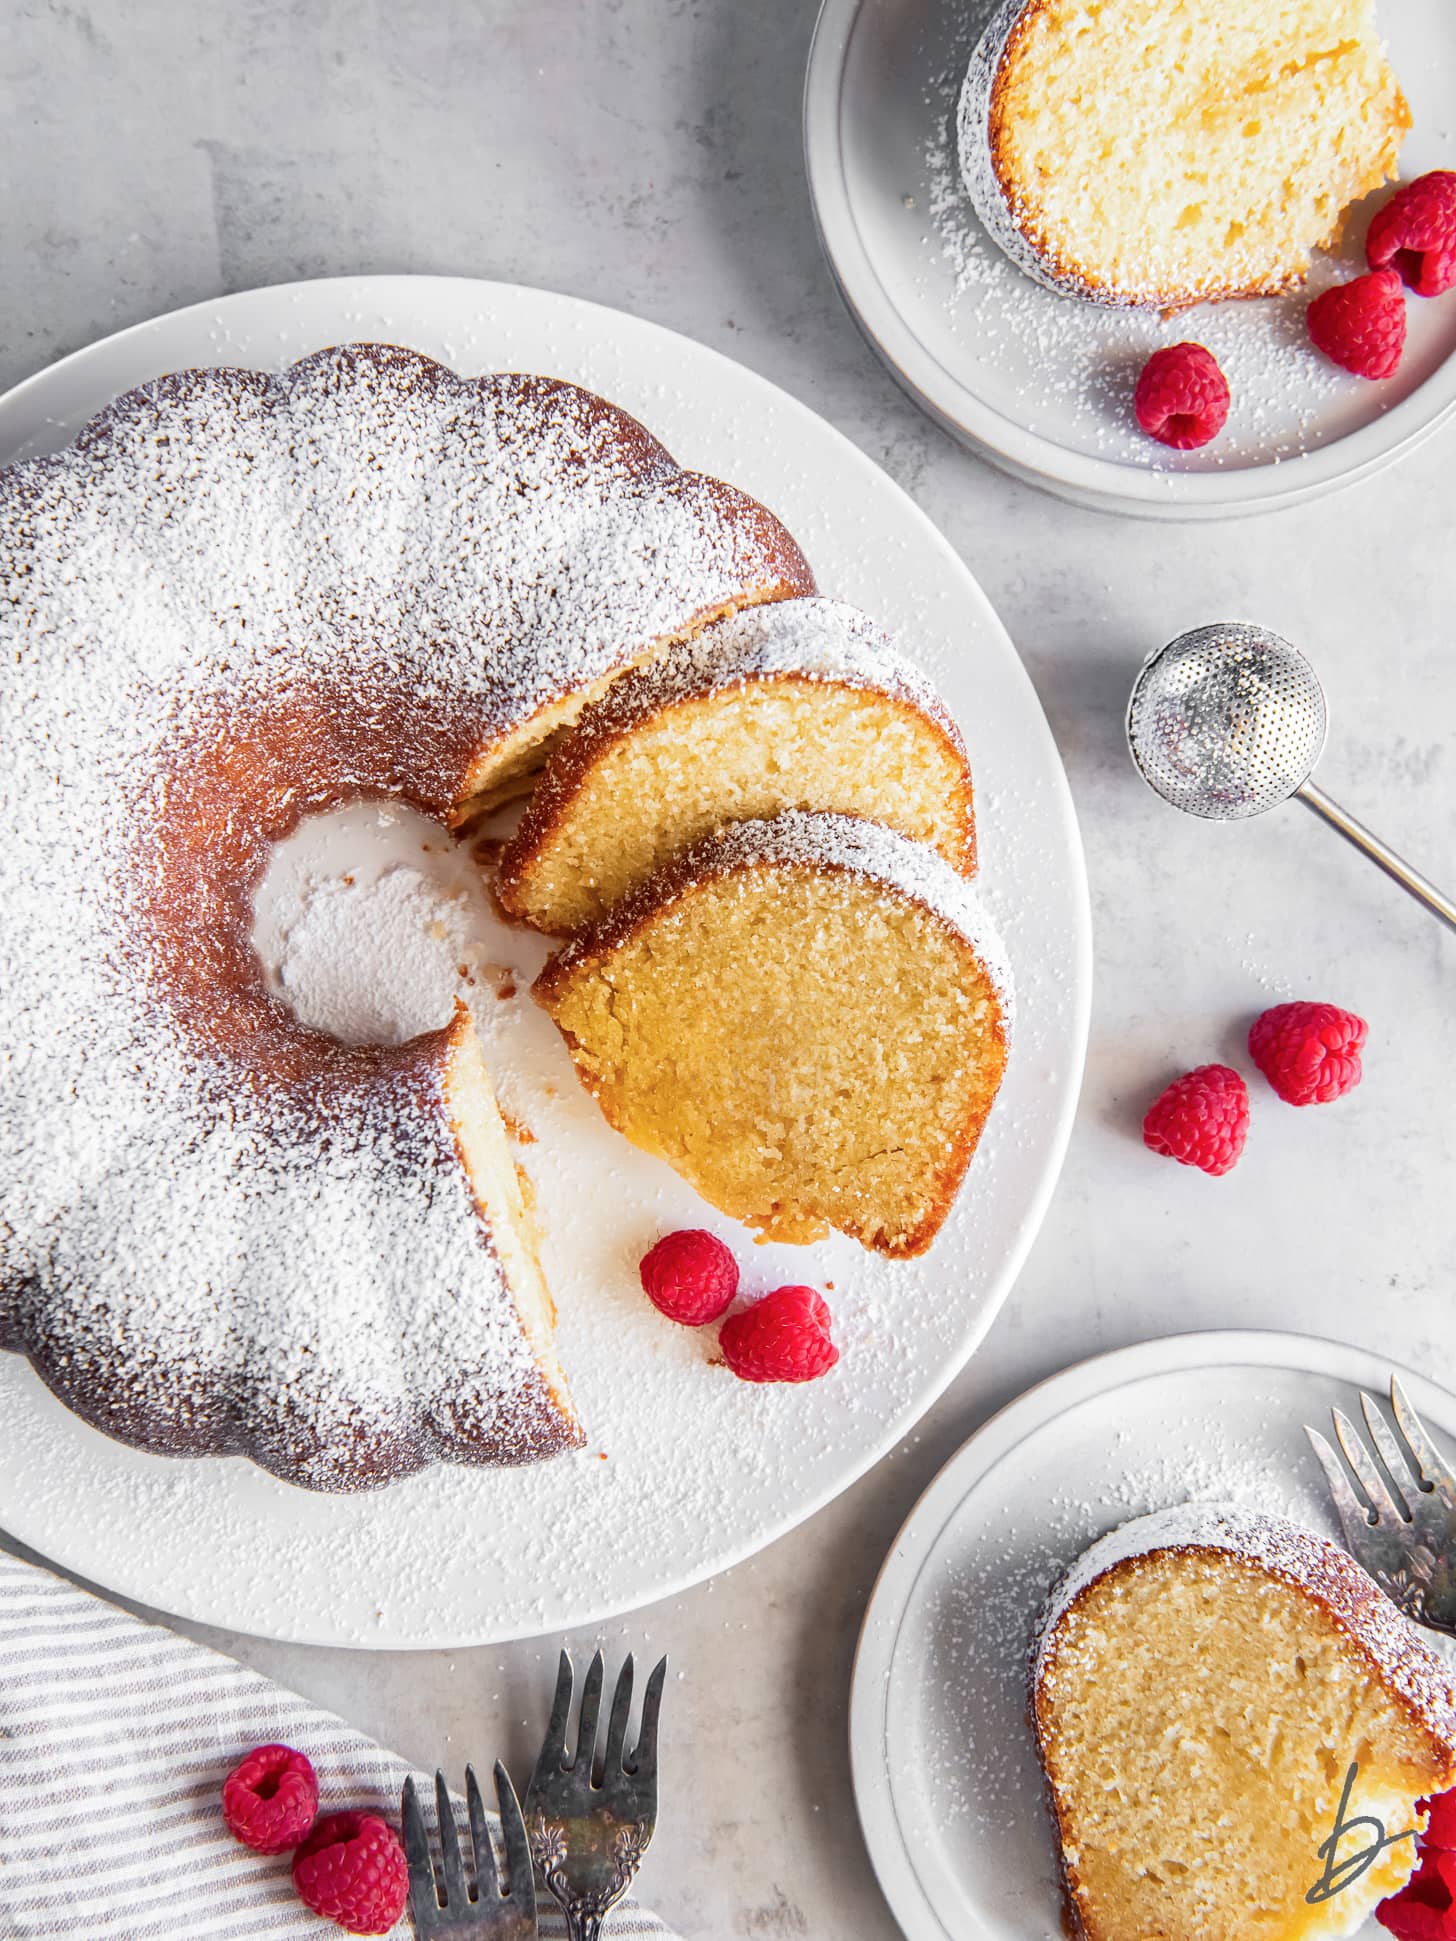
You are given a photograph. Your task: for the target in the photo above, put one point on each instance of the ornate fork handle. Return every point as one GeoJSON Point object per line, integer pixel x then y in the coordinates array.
{"type": "Point", "coordinates": [584, 1909]}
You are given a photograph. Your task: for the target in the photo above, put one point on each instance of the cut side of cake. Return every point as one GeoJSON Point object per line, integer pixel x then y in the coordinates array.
{"type": "Point", "coordinates": [1207, 1684]}
{"type": "Point", "coordinates": [806, 1017]}
{"type": "Point", "coordinates": [802, 705]}
{"type": "Point", "coordinates": [1141, 152]}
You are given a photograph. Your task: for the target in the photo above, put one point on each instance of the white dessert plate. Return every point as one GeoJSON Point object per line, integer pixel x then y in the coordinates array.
{"type": "Point", "coordinates": [1042, 384]}
{"type": "Point", "coordinates": [945, 1773]}
{"type": "Point", "coordinates": [687, 1470]}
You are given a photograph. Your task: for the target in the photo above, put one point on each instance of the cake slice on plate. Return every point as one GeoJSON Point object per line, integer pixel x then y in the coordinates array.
{"type": "Point", "coordinates": [802, 705]}
{"type": "Point", "coordinates": [1162, 152]}
{"type": "Point", "coordinates": [806, 1016]}
{"type": "Point", "coordinates": [1213, 1691]}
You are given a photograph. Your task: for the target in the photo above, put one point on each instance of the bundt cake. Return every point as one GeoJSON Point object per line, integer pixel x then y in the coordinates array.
{"type": "Point", "coordinates": [1207, 1685]}
{"type": "Point", "coordinates": [1163, 152]}
{"type": "Point", "coordinates": [802, 705]}
{"type": "Point", "coordinates": [806, 1016]}
{"type": "Point", "coordinates": [235, 601]}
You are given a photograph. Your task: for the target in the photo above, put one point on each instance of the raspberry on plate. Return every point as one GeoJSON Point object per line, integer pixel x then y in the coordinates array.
{"type": "Point", "coordinates": [1425, 1908]}
{"type": "Point", "coordinates": [1414, 233]}
{"type": "Point", "coordinates": [1361, 325]}
{"type": "Point", "coordinates": [1310, 1053]}
{"type": "Point", "coordinates": [1182, 397]}
{"type": "Point", "coordinates": [269, 1799]}
{"type": "Point", "coordinates": [690, 1276]}
{"type": "Point", "coordinates": [1441, 1826]}
{"type": "Point", "coordinates": [1202, 1119]}
{"type": "Point", "coordinates": [782, 1338]}
{"type": "Point", "coordinates": [351, 1869]}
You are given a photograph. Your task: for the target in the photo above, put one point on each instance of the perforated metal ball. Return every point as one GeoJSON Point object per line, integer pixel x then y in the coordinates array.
{"type": "Point", "coordinates": [1226, 721]}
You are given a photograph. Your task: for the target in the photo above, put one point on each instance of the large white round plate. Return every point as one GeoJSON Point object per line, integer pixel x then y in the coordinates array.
{"type": "Point", "coordinates": [945, 1774]}
{"type": "Point", "coordinates": [688, 1470]}
{"type": "Point", "coordinates": [1042, 384]}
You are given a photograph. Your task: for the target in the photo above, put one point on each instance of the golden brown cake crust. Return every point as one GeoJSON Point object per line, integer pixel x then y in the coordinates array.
{"type": "Point", "coordinates": [1077, 278]}
{"type": "Point", "coordinates": [645, 692]}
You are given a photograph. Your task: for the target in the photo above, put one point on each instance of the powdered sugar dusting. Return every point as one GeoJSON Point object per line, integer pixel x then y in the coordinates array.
{"type": "Point", "coordinates": [218, 1230]}
{"type": "Point", "coordinates": [1300, 1557]}
{"type": "Point", "coordinates": [811, 839]}
{"type": "Point", "coordinates": [816, 639]}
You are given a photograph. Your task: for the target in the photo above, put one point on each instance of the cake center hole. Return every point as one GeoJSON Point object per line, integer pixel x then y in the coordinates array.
{"type": "Point", "coordinates": [371, 920]}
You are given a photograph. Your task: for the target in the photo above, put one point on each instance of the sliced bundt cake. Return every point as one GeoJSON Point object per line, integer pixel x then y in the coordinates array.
{"type": "Point", "coordinates": [808, 706]}
{"type": "Point", "coordinates": [1140, 152]}
{"type": "Point", "coordinates": [806, 1016]}
{"type": "Point", "coordinates": [1212, 1692]}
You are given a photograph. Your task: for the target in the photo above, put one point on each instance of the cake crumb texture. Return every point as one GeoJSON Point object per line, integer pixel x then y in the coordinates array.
{"type": "Point", "coordinates": [1138, 152]}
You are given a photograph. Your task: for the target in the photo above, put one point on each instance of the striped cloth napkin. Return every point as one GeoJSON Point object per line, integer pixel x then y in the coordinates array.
{"type": "Point", "coordinates": [115, 1738]}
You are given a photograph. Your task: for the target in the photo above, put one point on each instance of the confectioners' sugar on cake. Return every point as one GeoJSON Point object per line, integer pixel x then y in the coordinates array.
{"type": "Point", "coordinates": [807, 1016]}
{"type": "Point", "coordinates": [802, 705]}
{"type": "Point", "coordinates": [1204, 1681]}
{"type": "Point", "coordinates": [237, 600]}
{"type": "Point", "coordinates": [1139, 152]}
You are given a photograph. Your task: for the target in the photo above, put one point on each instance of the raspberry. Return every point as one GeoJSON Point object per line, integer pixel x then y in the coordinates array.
{"type": "Point", "coordinates": [270, 1798]}
{"type": "Point", "coordinates": [690, 1277]}
{"type": "Point", "coordinates": [1441, 1826]}
{"type": "Point", "coordinates": [782, 1338]}
{"type": "Point", "coordinates": [1182, 397]}
{"type": "Point", "coordinates": [1361, 325]}
{"type": "Point", "coordinates": [1425, 1908]}
{"type": "Point", "coordinates": [1415, 233]}
{"type": "Point", "coordinates": [1202, 1119]}
{"type": "Point", "coordinates": [1310, 1053]}
{"type": "Point", "coordinates": [351, 1869]}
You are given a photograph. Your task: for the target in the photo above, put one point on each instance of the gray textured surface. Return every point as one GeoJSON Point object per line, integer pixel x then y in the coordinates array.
{"type": "Point", "coordinates": [647, 155]}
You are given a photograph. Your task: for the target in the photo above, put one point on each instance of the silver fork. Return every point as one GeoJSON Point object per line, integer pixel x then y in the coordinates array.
{"type": "Point", "coordinates": [1404, 1533]}
{"type": "Point", "coordinates": [588, 1834]}
{"type": "Point", "coordinates": [446, 1911]}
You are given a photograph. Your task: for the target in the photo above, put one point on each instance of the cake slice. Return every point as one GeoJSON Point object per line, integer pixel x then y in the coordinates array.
{"type": "Point", "coordinates": [805, 1016]}
{"type": "Point", "coordinates": [1142, 152]}
{"type": "Point", "coordinates": [1207, 1684]}
{"type": "Point", "coordinates": [804, 704]}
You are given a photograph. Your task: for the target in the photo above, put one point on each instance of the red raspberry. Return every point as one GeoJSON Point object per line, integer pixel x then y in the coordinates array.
{"type": "Point", "coordinates": [1182, 397]}
{"type": "Point", "coordinates": [782, 1338]}
{"type": "Point", "coordinates": [1361, 325]}
{"type": "Point", "coordinates": [1202, 1119]}
{"type": "Point", "coordinates": [1425, 1908]}
{"type": "Point", "coordinates": [269, 1800]}
{"type": "Point", "coordinates": [1441, 1827]}
{"type": "Point", "coordinates": [690, 1277]}
{"type": "Point", "coordinates": [351, 1869]}
{"type": "Point", "coordinates": [1310, 1053]}
{"type": "Point", "coordinates": [1415, 233]}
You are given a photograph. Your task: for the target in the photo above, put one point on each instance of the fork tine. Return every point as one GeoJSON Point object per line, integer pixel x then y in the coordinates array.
{"type": "Point", "coordinates": [552, 1755]}
{"type": "Point", "coordinates": [1366, 1474]}
{"type": "Point", "coordinates": [644, 1756]}
{"type": "Point", "coordinates": [424, 1897]}
{"type": "Point", "coordinates": [1353, 1515]}
{"type": "Point", "coordinates": [617, 1723]}
{"type": "Point", "coordinates": [591, 1705]}
{"type": "Point", "coordinates": [520, 1881]}
{"type": "Point", "coordinates": [457, 1895]}
{"type": "Point", "coordinates": [1388, 1450]}
{"type": "Point", "coordinates": [1431, 1466]}
{"type": "Point", "coordinates": [487, 1886]}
